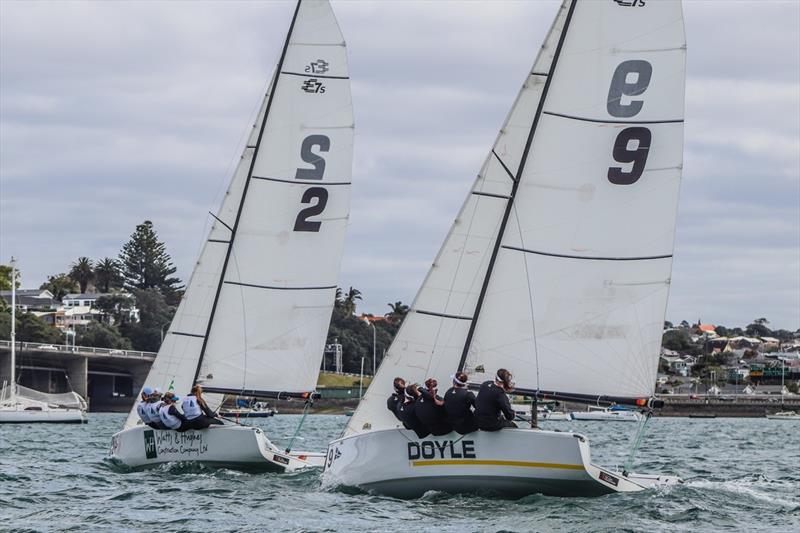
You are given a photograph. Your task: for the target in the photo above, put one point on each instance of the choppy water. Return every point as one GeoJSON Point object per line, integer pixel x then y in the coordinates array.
{"type": "Point", "coordinates": [740, 475]}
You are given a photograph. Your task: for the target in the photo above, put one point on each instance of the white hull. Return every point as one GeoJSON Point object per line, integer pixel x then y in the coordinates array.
{"type": "Point", "coordinates": [606, 416]}
{"type": "Point", "coordinates": [51, 416]}
{"type": "Point", "coordinates": [229, 445]}
{"type": "Point", "coordinates": [511, 463]}
{"type": "Point", "coordinates": [791, 415]}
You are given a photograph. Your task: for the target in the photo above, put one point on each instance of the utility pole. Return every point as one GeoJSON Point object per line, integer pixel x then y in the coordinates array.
{"type": "Point", "coordinates": [13, 328]}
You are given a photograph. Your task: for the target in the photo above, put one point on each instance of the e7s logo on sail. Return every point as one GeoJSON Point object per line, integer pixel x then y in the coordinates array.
{"type": "Point", "coordinates": [630, 3]}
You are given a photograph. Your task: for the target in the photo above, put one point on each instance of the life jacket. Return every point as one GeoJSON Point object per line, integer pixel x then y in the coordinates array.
{"type": "Point", "coordinates": [169, 420]}
{"type": "Point", "coordinates": [152, 410]}
{"type": "Point", "coordinates": [141, 410]}
{"type": "Point", "coordinates": [190, 407]}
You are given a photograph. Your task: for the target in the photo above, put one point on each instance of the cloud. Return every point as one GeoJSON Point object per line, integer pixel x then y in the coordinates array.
{"type": "Point", "coordinates": [112, 113]}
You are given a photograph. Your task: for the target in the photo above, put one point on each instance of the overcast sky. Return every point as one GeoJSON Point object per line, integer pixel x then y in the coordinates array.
{"type": "Point", "coordinates": [116, 112]}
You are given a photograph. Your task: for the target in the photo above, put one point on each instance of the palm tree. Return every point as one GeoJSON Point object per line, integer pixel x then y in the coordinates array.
{"type": "Point", "coordinates": [349, 303]}
{"type": "Point", "coordinates": [398, 311]}
{"type": "Point", "coordinates": [338, 302]}
{"type": "Point", "coordinates": [107, 274]}
{"type": "Point", "coordinates": [82, 272]}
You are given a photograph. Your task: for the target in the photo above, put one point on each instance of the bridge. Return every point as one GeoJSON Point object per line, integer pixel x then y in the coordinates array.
{"type": "Point", "coordinates": [108, 378]}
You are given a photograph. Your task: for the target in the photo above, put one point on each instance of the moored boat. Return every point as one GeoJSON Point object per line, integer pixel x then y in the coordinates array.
{"type": "Point", "coordinates": [784, 415]}
{"type": "Point", "coordinates": [606, 414]}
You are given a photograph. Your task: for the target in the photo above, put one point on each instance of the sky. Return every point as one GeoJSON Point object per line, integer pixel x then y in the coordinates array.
{"type": "Point", "coordinates": [112, 113]}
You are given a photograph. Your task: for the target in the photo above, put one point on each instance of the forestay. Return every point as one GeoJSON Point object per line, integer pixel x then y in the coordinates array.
{"type": "Point", "coordinates": [256, 311]}
{"type": "Point", "coordinates": [572, 297]}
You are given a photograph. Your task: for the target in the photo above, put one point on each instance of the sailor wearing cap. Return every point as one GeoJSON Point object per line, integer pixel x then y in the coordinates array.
{"type": "Point", "coordinates": [169, 414]}
{"type": "Point", "coordinates": [141, 407]}
{"type": "Point", "coordinates": [154, 403]}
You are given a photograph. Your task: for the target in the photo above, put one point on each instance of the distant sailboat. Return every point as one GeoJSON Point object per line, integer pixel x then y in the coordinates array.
{"type": "Point", "coordinates": [255, 315]}
{"type": "Point", "coordinates": [21, 405]}
{"type": "Point", "coordinates": [557, 267]}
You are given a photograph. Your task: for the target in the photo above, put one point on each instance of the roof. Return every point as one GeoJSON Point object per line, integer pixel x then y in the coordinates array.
{"type": "Point", "coordinates": [770, 339]}
{"type": "Point", "coordinates": [33, 293]}
{"type": "Point", "coordinates": [706, 327]}
{"type": "Point", "coordinates": [82, 296]}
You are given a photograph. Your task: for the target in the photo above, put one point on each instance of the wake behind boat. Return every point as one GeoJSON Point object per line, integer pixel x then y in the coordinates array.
{"type": "Point", "coordinates": [557, 267]}
{"type": "Point", "coordinates": [255, 314]}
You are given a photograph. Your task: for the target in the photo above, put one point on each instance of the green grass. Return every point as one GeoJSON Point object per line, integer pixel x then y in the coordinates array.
{"type": "Point", "coordinates": [327, 379]}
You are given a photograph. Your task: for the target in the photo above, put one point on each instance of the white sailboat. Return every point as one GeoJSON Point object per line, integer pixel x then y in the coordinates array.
{"type": "Point", "coordinates": [556, 268]}
{"type": "Point", "coordinates": [21, 405]}
{"type": "Point", "coordinates": [605, 414]}
{"type": "Point", "coordinates": [255, 315]}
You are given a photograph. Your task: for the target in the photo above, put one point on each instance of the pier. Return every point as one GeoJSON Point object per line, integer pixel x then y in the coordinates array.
{"type": "Point", "coordinates": [107, 378]}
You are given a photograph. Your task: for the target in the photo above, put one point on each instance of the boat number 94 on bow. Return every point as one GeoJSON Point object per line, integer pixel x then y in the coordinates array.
{"type": "Point", "coordinates": [445, 449]}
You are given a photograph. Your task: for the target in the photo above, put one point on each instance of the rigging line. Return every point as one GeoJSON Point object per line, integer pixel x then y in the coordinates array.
{"type": "Point", "coordinates": [530, 303]}
{"type": "Point", "coordinates": [637, 441]}
{"type": "Point", "coordinates": [443, 315]}
{"type": "Point", "coordinates": [246, 186]}
{"type": "Point", "coordinates": [220, 220]}
{"type": "Point", "coordinates": [603, 121]}
{"type": "Point", "coordinates": [510, 174]}
{"type": "Point", "coordinates": [514, 187]}
{"type": "Point", "coordinates": [299, 425]}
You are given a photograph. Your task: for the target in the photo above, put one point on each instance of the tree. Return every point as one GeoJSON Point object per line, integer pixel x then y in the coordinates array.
{"type": "Point", "coordinates": [398, 312]}
{"type": "Point", "coordinates": [349, 304]}
{"type": "Point", "coordinates": [107, 275]}
{"type": "Point", "coordinates": [30, 328]}
{"type": "Point", "coordinates": [117, 305]}
{"type": "Point", "coordinates": [82, 272]}
{"type": "Point", "coordinates": [154, 313]}
{"type": "Point", "coordinates": [677, 340]}
{"type": "Point", "coordinates": [102, 336]}
{"type": "Point", "coordinates": [5, 278]}
{"type": "Point", "coordinates": [60, 285]}
{"type": "Point", "coordinates": [759, 328]}
{"type": "Point", "coordinates": [145, 264]}
{"type": "Point", "coordinates": [668, 324]}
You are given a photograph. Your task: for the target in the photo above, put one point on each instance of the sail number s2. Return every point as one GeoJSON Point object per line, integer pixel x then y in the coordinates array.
{"type": "Point", "coordinates": [631, 78]}
{"type": "Point", "coordinates": [316, 197]}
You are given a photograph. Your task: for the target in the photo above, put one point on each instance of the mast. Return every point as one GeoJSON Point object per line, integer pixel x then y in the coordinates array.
{"type": "Point", "coordinates": [13, 327]}
{"type": "Point", "coordinates": [517, 178]}
{"type": "Point", "coordinates": [244, 191]}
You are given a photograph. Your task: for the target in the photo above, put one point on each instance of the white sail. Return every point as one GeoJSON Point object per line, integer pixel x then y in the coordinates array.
{"type": "Point", "coordinates": [265, 304]}
{"type": "Point", "coordinates": [271, 317]}
{"type": "Point", "coordinates": [575, 297]}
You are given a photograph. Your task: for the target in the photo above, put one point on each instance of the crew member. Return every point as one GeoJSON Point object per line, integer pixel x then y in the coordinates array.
{"type": "Point", "coordinates": [459, 402]}
{"type": "Point", "coordinates": [154, 404]}
{"type": "Point", "coordinates": [430, 409]}
{"type": "Point", "coordinates": [141, 407]}
{"type": "Point", "coordinates": [196, 410]}
{"type": "Point", "coordinates": [492, 409]}
{"type": "Point", "coordinates": [170, 416]}
{"type": "Point", "coordinates": [406, 412]}
{"type": "Point", "coordinates": [394, 401]}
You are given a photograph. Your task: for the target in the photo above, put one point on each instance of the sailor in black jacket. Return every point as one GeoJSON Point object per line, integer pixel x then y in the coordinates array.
{"type": "Point", "coordinates": [430, 410]}
{"type": "Point", "coordinates": [406, 412]}
{"type": "Point", "coordinates": [492, 408]}
{"type": "Point", "coordinates": [396, 399]}
{"type": "Point", "coordinates": [458, 403]}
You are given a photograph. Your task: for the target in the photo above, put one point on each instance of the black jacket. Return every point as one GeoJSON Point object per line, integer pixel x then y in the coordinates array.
{"type": "Point", "coordinates": [406, 413]}
{"type": "Point", "coordinates": [491, 405]}
{"type": "Point", "coordinates": [458, 403]}
{"type": "Point", "coordinates": [432, 416]}
{"type": "Point", "coordinates": [393, 403]}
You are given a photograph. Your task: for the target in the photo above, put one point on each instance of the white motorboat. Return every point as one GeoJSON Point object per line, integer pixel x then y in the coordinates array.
{"type": "Point", "coordinates": [21, 405]}
{"type": "Point", "coordinates": [255, 410]}
{"type": "Point", "coordinates": [557, 267]}
{"type": "Point", "coordinates": [255, 314]}
{"type": "Point", "coordinates": [543, 412]}
{"type": "Point", "coordinates": [606, 414]}
{"type": "Point", "coordinates": [784, 415]}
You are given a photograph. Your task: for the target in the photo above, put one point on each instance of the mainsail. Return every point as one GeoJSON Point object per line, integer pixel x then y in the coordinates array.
{"type": "Point", "coordinates": [255, 314]}
{"type": "Point", "coordinates": [558, 264]}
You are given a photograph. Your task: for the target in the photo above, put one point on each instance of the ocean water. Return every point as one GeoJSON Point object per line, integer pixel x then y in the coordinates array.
{"type": "Point", "coordinates": [740, 475]}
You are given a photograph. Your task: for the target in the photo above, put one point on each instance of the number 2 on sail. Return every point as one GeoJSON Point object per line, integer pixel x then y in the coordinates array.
{"type": "Point", "coordinates": [320, 194]}
{"type": "Point", "coordinates": [631, 78]}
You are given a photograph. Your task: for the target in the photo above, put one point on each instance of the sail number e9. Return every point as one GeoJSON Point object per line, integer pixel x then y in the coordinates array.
{"type": "Point", "coordinates": [631, 78]}
{"type": "Point", "coordinates": [317, 197]}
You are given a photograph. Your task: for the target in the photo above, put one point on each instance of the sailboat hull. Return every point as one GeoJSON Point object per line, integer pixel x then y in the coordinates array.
{"type": "Point", "coordinates": [509, 463]}
{"type": "Point", "coordinates": [50, 416]}
{"type": "Point", "coordinates": [230, 446]}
